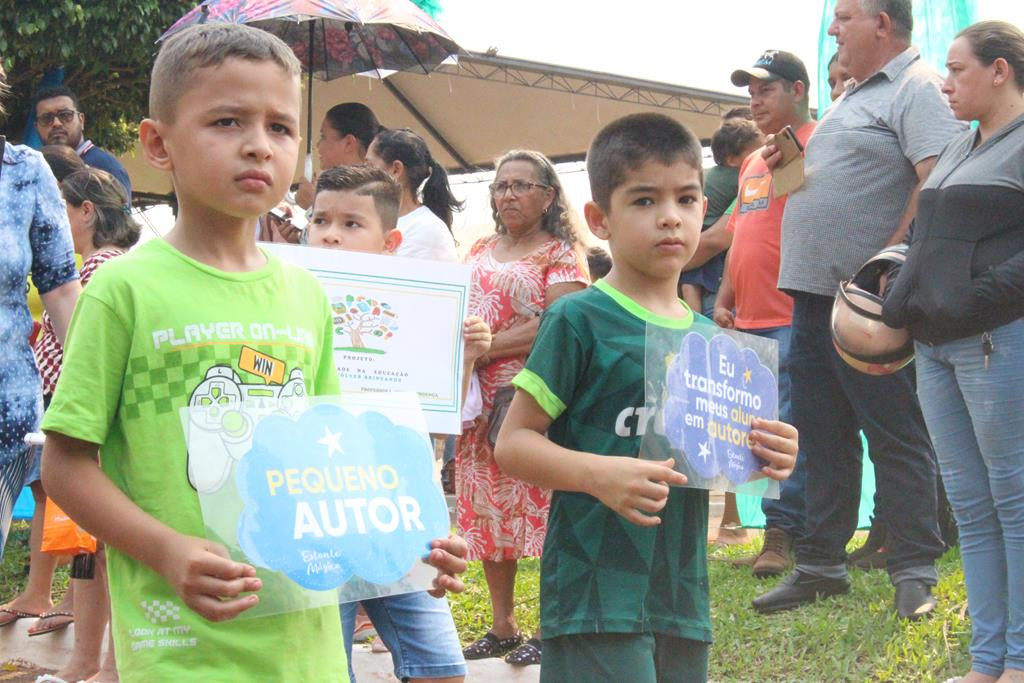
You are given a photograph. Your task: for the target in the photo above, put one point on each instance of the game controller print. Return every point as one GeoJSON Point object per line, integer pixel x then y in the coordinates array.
{"type": "Point", "coordinates": [223, 411]}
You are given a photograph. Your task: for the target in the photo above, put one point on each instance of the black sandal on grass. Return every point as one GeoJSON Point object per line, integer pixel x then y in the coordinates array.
{"type": "Point", "coordinates": [491, 646]}
{"type": "Point", "coordinates": [526, 654]}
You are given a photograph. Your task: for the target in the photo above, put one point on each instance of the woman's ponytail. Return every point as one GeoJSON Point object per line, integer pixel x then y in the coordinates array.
{"type": "Point", "coordinates": [421, 170]}
{"type": "Point", "coordinates": [437, 194]}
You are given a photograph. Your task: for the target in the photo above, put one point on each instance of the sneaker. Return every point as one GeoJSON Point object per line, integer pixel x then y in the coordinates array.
{"type": "Point", "coordinates": [799, 589]}
{"type": "Point", "coordinates": [776, 554]}
{"type": "Point", "coordinates": [914, 599]}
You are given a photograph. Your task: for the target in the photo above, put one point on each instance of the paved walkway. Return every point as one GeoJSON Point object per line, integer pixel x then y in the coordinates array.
{"type": "Point", "coordinates": [46, 653]}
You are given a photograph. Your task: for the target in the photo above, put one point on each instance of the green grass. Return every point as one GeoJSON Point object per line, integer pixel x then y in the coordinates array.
{"type": "Point", "coordinates": [855, 637]}
{"type": "Point", "coordinates": [14, 568]}
{"type": "Point", "coordinates": [472, 609]}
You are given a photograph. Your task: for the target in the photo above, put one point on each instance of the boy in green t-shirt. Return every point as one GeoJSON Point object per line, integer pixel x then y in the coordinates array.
{"type": "Point", "coordinates": [624, 587]}
{"type": "Point", "coordinates": [201, 316]}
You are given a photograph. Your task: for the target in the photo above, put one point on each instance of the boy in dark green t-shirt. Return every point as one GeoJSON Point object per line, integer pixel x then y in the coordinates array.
{"type": "Point", "coordinates": [624, 588]}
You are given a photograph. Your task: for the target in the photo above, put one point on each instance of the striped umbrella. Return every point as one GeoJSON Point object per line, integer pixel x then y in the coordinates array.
{"type": "Point", "coordinates": [335, 38]}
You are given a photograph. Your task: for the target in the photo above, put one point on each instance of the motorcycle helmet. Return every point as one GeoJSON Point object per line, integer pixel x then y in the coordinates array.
{"type": "Point", "coordinates": [858, 333]}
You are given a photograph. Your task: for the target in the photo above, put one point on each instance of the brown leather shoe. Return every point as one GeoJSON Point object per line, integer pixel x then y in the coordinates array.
{"type": "Point", "coordinates": [776, 554]}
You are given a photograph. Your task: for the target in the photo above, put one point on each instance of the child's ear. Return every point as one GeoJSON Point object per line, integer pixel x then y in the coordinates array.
{"type": "Point", "coordinates": [704, 211]}
{"type": "Point", "coordinates": [392, 240]}
{"type": "Point", "coordinates": [153, 148]}
{"type": "Point", "coordinates": [597, 219]}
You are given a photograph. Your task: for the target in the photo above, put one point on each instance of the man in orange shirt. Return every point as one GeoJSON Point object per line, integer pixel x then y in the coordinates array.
{"type": "Point", "coordinates": [749, 299]}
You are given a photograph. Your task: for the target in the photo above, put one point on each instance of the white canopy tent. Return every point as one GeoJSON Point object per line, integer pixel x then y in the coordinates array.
{"type": "Point", "coordinates": [475, 110]}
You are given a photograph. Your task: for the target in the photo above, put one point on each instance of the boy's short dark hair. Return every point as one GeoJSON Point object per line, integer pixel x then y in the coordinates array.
{"type": "Point", "coordinates": [732, 138]}
{"type": "Point", "coordinates": [366, 181]}
{"type": "Point", "coordinates": [599, 263]}
{"type": "Point", "coordinates": [52, 91]}
{"type": "Point", "coordinates": [629, 142]}
{"type": "Point", "coordinates": [208, 45]}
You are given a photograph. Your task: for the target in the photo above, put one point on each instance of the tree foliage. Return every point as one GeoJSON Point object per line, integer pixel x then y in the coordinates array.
{"type": "Point", "coordinates": [106, 48]}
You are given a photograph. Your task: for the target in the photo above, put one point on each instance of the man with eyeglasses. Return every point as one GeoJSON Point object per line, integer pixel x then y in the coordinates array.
{"type": "Point", "coordinates": [60, 121]}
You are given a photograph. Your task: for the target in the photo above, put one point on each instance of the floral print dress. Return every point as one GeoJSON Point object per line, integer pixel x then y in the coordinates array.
{"type": "Point", "coordinates": [501, 517]}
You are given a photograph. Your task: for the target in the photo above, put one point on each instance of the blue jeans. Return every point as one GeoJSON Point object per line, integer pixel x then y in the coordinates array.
{"type": "Point", "coordinates": [831, 403]}
{"type": "Point", "coordinates": [789, 512]}
{"type": "Point", "coordinates": [976, 417]}
{"type": "Point", "coordinates": [417, 628]}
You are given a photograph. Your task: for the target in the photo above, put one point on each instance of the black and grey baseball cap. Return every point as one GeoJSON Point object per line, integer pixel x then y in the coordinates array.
{"type": "Point", "coordinates": [771, 66]}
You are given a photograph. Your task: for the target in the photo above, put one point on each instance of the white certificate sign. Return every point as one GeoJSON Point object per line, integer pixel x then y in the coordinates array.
{"type": "Point", "coordinates": [397, 325]}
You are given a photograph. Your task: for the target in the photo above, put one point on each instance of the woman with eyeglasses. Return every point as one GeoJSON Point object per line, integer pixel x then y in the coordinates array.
{"type": "Point", "coordinates": [425, 213]}
{"type": "Point", "coordinates": [961, 294]}
{"type": "Point", "coordinates": [37, 240]}
{"type": "Point", "coordinates": [531, 260]}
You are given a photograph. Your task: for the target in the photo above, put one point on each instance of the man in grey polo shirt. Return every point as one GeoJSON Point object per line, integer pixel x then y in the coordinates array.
{"type": "Point", "coordinates": [864, 164]}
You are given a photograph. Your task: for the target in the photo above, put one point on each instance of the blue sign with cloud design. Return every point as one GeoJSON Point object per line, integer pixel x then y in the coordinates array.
{"type": "Point", "coordinates": [333, 496]}
{"type": "Point", "coordinates": [715, 389]}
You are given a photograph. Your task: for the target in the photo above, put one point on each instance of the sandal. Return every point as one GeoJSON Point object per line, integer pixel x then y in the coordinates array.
{"type": "Point", "coordinates": [15, 614]}
{"type": "Point", "coordinates": [526, 654]}
{"type": "Point", "coordinates": [33, 631]}
{"type": "Point", "coordinates": [492, 646]}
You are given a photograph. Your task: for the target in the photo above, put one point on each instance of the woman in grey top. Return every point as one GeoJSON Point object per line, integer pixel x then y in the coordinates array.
{"type": "Point", "coordinates": [961, 294]}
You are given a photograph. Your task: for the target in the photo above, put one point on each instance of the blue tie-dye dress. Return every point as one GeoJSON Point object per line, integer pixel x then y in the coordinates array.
{"type": "Point", "coordinates": [35, 239]}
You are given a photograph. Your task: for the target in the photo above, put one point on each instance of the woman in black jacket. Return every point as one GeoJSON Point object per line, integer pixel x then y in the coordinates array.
{"type": "Point", "coordinates": [961, 294]}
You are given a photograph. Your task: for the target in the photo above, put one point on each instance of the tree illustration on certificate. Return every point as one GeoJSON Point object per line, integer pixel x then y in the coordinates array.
{"type": "Point", "coordinates": [366, 322]}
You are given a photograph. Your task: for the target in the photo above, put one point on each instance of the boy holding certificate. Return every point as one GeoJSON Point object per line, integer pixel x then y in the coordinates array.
{"type": "Point", "coordinates": [624, 587]}
{"type": "Point", "coordinates": [181, 317]}
{"type": "Point", "coordinates": [356, 209]}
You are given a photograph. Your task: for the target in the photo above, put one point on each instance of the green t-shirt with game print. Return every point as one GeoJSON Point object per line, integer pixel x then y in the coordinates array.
{"type": "Point", "coordinates": [154, 331]}
{"type": "Point", "coordinates": [599, 572]}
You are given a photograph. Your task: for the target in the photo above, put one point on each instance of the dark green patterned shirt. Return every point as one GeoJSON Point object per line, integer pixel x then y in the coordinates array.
{"type": "Point", "coordinates": [599, 572]}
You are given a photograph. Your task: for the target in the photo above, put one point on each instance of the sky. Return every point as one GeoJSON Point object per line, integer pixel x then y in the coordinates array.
{"type": "Point", "coordinates": [684, 42]}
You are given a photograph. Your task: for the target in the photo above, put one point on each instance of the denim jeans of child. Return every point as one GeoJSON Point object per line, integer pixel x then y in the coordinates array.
{"type": "Point", "coordinates": [975, 414]}
{"type": "Point", "coordinates": [831, 403]}
{"type": "Point", "coordinates": [418, 630]}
